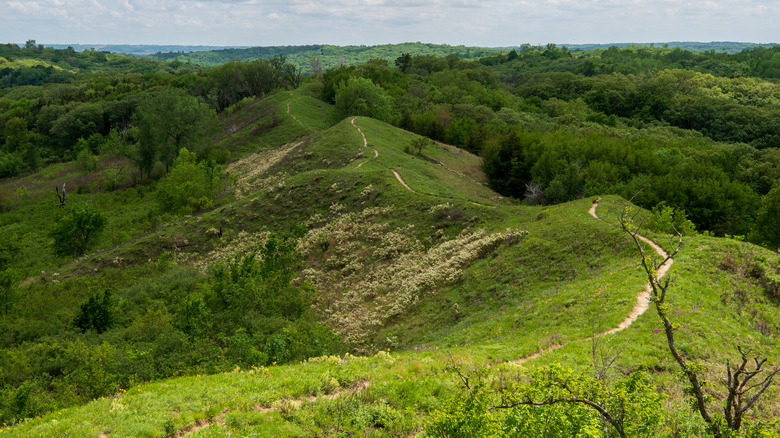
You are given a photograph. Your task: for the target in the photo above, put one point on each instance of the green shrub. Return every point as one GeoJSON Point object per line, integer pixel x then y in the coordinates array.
{"type": "Point", "coordinates": [465, 416]}
{"type": "Point", "coordinates": [194, 317]}
{"type": "Point", "coordinates": [189, 186]}
{"type": "Point", "coordinates": [76, 231]}
{"type": "Point", "coordinates": [361, 97]}
{"type": "Point", "coordinates": [86, 160]}
{"type": "Point", "coordinates": [96, 314]}
{"type": "Point", "coordinates": [242, 350]}
{"type": "Point", "coordinates": [666, 219]}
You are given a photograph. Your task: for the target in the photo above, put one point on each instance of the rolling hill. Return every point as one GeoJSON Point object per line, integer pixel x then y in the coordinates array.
{"type": "Point", "coordinates": [412, 260]}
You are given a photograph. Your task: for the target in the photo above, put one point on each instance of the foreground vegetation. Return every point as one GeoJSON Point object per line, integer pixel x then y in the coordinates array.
{"type": "Point", "coordinates": [279, 258]}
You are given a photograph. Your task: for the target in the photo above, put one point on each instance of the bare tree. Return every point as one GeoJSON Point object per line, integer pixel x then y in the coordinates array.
{"type": "Point", "coordinates": [315, 65]}
{"type": "Point", "coordinates": [60, 196]}
{"type": "Point", "coordinates": [604, 355]}
{"type": "Point", "coordinates": [743, 393]}
{"type": "Point", "coordinates": [534, 192]}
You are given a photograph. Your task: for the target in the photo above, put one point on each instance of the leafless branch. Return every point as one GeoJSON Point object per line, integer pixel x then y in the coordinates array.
{"type": "Point", "coordinates": [463, 378]}
{"type": "Point", "coordinates": [60, 196]}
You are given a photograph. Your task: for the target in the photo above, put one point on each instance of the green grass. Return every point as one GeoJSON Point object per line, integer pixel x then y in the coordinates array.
{"type": "Point", "coordinates": [570, 276]}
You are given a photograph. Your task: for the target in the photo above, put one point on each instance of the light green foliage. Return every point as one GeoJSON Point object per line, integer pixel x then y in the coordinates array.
{"type": "Point", "coordinates": [330, 56]}
{"type": "Point", "coordinates": [633, 402]}
{"type": "Point", "coordinates": [467, 415]}
{"type": "Point", "coordinates": [87, 160]}
{"type": "Point", "coordinates": [77, 229]}
{"type": "Point", "coordinates": [189, 186]}
{"type": "Point", "coordinates": [361, 97]}
{"type": "Point", "coordinates": [670, 220]}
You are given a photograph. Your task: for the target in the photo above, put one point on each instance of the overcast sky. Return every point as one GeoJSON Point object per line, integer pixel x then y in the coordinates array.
{"type": "Point", "coordinates": [349, 22]}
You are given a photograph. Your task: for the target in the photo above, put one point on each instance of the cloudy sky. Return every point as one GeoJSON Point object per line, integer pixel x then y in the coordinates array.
{"type": "Point", "coordinates": [347, 22]}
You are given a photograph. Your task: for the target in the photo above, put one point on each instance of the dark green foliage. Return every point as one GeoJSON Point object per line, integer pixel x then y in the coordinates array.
{"type": "Point", "coordinates": [167, 121]}
{"type": "Point", "coordinates": [77, 229]}
{"type": "Point", "coordinates": [20, 404]}
{"type": "Point", "coordinates": [193, 316]}
{"type": "Point", "coordinates": [403, 62]}
{"type": "Point", "coordinates": [243, 349]}
{"type": "Point", "coordinates": [331, 80]}
{"type": "Point", "coordinates": [96, 314]}
{"type": "Point", "coordinates": [236, 80]}
{"type": "Point", "coordinates": [768, 228]}
{"type": "Point", "coordinates": [9, 250]}
{"type": "Point", "coordinates": [260, 316]}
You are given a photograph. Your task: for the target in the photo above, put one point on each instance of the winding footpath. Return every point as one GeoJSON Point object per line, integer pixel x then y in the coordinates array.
{"type": "Point", "coordinates": [365, 145]}
{"type": "Point", "coordinates": [642, 299]}
{"type": "Point", "coordinates": [297, 119]}
{"type": "Point", "coordinates": [291, 114]}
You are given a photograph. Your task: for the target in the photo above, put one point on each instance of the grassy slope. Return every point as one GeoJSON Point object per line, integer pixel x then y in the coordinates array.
{"type": "Point", "coordinates": [569, 276]}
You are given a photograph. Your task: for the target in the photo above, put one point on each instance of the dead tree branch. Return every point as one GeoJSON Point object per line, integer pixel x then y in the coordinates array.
{"type": "Point", "coordinates": [738, 400]}
{"type": "Point", "coordinates": [60, 196]}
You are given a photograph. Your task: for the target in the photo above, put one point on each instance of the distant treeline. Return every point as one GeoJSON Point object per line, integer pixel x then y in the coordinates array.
{"type": "Point", "coordinates": [314, 59]}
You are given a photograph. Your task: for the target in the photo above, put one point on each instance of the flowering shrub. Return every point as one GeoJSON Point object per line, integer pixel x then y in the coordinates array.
{"type": "Point", "coordinates": [374, 273]}
{"type": "Point", "coordinates": [251, 171]}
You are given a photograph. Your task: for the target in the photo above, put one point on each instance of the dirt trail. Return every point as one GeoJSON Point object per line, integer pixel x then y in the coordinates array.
{"type": "Point", "coordinates": [358, 386]}
{"type": "Point", "coordinates": [297, 119]}
{"type": "Point", "coordinates": [365, 144]}
{"type": "Point", "coordinates": [401, 180]}
{"type": "Point", "coordinates": [398, 175]}
{"type": "Point", "coordinates": [293, 115]}
{"type": "Point", "coordinates": [642, 299]}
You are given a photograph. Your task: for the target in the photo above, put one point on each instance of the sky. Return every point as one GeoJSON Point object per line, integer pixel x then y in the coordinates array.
{"type": "Point", "coordinates": [485, 23]}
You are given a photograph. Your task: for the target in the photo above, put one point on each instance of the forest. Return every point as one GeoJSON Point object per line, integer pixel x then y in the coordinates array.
{"type": "Point", "coordinates": [693, 135]}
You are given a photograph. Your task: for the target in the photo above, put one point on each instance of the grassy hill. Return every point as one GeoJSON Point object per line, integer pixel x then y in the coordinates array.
{"type": "Point", "coordinates": [411, 259]}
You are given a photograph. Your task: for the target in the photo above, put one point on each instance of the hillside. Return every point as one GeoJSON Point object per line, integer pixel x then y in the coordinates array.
{"type": "Point", "coordinates": [410, 260]}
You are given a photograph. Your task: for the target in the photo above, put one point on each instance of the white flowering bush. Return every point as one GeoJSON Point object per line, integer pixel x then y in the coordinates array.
{"type": "Point", "coordinates": [243, 243]}
{"type": "Point", "coordinates": [373, 273]}
{"type": "Point", "coordinates": [251, 171]}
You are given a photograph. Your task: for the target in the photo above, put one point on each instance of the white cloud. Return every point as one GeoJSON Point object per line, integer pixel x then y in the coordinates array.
{"type": "Point", "coordinates": [472, 22]}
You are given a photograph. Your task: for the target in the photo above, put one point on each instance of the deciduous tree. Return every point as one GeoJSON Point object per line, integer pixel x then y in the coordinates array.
{"type": "Point", "coordinates": [169, 120]}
